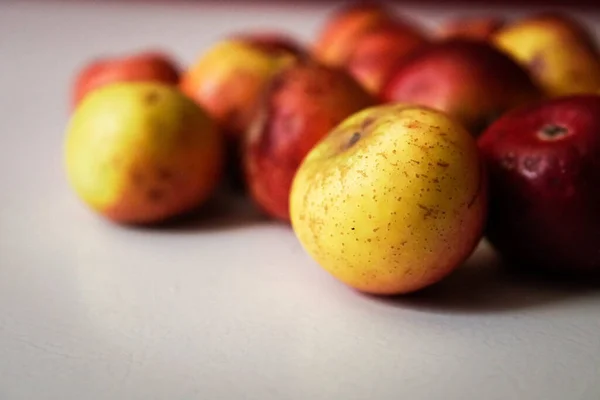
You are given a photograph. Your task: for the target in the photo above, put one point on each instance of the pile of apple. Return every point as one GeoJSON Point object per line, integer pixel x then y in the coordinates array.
{"type": "Point", "coordinates": [391, 150]}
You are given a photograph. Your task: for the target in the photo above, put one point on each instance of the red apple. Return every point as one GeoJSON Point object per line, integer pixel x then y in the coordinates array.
{"type": "Point", "coordinates": [304, 102]}
{"type": "Point", "coordinates": [468, 79]}
{"type": "Point", "coordinates": [478, 27]}
{"type": "Point", "coordinates": [377, 53]}
{"type": "Point", "coordinates": [143, 66]}
{"type": "Point", "coordinates": [339, 33]}
{"type": "Point", "coordinates": [544, 169]}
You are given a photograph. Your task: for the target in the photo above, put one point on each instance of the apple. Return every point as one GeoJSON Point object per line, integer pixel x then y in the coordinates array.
{"type": "Point", "coordinates": [468, 79]}
{"type": "Point", "coordinates": [342, 28]}
{"type": "Point", "coordinates": [304, 102]}
{"type": "Point", "coordinates": [151, 66]}
{"type": "Point", "coordinates": [378, 51]}
{"type": "Point", "coordinates": [142, 152]}
{"type": "Point", "coordinates": [544, 169]}
{"type": "Point", "coordinates": [228, 81]}
{"type": "Point", "coordinates": [229, 78]}
{"type": "Point", "coordinates": [560, 53]}
{"type": "Point", "coordinates": [391, 201]}
{"type": "Point", "coordinates": [480, 27]}
{"type": "Point", "coordinates": [272, 42]}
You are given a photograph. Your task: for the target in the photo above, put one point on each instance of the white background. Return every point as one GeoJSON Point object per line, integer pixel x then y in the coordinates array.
{"type": "Point", "coordinates": [229, 306]}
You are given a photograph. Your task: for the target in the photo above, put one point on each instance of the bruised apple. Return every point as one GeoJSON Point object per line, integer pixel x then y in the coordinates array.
{"type": "Point", "coordinates": [142, 152]}
{"type": "Point", "coordinates": [393, 200]}
{"type": "Point", "coordinates": [468, 79]}
{"type": "Point", "coordinates": [304, 102]}
{"type": "Point", "coordinates": [138, 67]}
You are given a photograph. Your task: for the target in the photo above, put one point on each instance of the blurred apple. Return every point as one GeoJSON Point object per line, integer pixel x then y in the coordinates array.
{"type": "Point", "coordinates": [469, 79]}
{"type": "Point", "coordinates": [228, 81]}
{"type": "Point", "coordinates": [142, 152]}
{"type": "Point", "coordinates": [304, 102]}
{"type": "Point", "coordinates": [272, 42]}
{"type": "Point", "coordinates": [378, 51]}
{"type": "Point", "coordinates": [341, 30]}
{"type": "Point", "coordinates": [544, 168]}
{"type": "Point", "coordinates": [560, 53]}
{"type": "Point", "coordinates": [143, 66]}
{"type": "Point", "coordinates": [476, 27]}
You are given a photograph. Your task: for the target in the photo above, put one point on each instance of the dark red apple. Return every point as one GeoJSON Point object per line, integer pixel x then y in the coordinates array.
{"type": "Point", "coordinates": [303, 103]}
{"type": "Point", "coordinates": [544, 169]}
{"type": "Point", "coordinates": [468, 79]}
{"type": "Point", "coordinates": [151, 66]}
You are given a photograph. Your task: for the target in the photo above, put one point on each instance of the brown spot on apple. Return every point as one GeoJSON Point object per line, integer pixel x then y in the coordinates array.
{"type": "Point", "coordinates": [151, 97]}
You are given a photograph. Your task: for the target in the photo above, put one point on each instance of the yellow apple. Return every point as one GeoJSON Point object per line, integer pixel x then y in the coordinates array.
{"type": "Point", "coordinates": [557, 50]}
{"type": "Point", "coordinates": [142, 152]}
{"type": "Point", "coordinates": [392, 200]}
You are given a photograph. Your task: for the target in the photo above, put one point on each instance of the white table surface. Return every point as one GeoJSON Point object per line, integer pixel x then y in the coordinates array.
{"type": "Point", "coordinates": [230, 307]}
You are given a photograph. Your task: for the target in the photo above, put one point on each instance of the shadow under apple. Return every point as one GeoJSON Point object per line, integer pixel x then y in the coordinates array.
{"type": "Point", "coordinates": [484, 285]}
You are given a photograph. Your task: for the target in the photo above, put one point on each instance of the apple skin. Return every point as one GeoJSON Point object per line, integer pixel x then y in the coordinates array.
{"type": "Point", "coordinates": [476, 27]}
{"type": "Point", "coordinates": [273, 42]}
{"type": "Point", "coordinates": [228, 80]}
{"type": "Point", "coordinates": [559, 52]}
{"type": "Point", "coordinates": [378, 51]}
{"type": "Point", "coordinates": [304, 102]}
{"type": "Point", "coordinates": [468, 79]}
{"type": "Point", "coordinates": [391, 201]}
{"type": "Point", "coordinates": [544, 189]}
{"type": "Point", "coordinates": [153, 66]}
{"type": "Point", "coordinates": [341, 30]}
{"type": "Point", "coordinates": [142, 153]}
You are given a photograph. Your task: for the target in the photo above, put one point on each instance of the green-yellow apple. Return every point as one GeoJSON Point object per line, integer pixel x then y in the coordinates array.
{"type": "Point", "coordinates": [141, 152]}
{"type": "Point", "coordinates": [392, 200]}
{"type": "Point", "coordinates": [560, 53]}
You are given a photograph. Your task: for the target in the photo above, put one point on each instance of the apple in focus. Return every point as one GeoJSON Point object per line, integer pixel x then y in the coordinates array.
{"type": "Point", "coordinates": [303, 103]}
{"type": "Point", "coordinates": [137, 67]}
{"type": "Point", "coordinates": [468, 79]}
{"type": "Point", "coordinates": [544, 169]}
{"type": "Point", "coordinates": [391, 201]}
